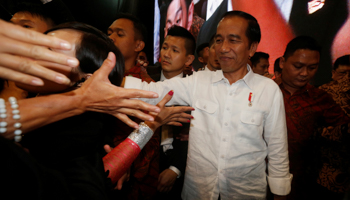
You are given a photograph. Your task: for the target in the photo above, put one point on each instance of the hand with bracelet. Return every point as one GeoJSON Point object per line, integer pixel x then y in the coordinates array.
{"type": "Point", "coordinates": [118, 161]}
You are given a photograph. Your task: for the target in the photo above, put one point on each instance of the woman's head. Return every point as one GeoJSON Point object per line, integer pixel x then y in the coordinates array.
{"type": "Point", "coordinates": [91, 48]}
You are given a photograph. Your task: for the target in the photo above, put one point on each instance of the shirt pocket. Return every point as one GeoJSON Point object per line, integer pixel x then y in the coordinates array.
{"type": "Point", "coordinates": [206, 111]}
{"type": "Point", "coordinates": [252, 117]}
{"type": "Point", "coordinates": [206, 106]}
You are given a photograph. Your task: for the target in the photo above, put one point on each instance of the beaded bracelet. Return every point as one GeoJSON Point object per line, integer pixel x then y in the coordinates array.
{"type": "Point", "coordinates": [3, 115]}
{"type": "Point", "coordinates": [16, 116]}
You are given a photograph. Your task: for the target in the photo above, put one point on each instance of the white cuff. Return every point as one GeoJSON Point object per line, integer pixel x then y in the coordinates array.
{"type": "Point", "coordinates": [177, 171]}
{"type": "Point", "coordinates": [280, 186]}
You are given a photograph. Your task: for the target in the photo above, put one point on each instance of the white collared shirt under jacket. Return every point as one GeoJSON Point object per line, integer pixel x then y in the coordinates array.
{"type": "Point", "coordinates": [229, 140]}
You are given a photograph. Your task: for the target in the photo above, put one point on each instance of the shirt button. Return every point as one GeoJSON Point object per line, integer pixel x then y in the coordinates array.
{"type": "Point", "coordinates": [204, 107]}
{"type": "Point", "coordinates": [226, 124]}
{"type": "Point", "coordinates": [224, 140]}
{"type": "Point", "coordinates": [252, 120]}
{"type": "Point", "coordinates": [230, 93]}
{"type": "Point", "coordinates": [227, 108]}
{"type": "Point", "coordinates": [222, 156]}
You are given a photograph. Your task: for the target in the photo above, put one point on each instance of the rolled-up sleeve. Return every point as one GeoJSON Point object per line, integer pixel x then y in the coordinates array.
{"type": "Point", "coordinates": [275, 134]}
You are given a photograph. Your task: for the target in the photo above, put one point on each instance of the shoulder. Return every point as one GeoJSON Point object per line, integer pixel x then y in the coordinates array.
{"type": "Point", "coordinates": [264, 82]}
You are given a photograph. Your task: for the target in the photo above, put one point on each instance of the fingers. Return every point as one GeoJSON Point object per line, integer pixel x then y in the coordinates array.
{"type": "Point", "coordinates": [174, 123]}
{"type": "Point", "coordinates": [54, 66]}
{"type": "Point", "coordinates": [9, 74]}
{"type": "Point", "coordinates": [16, 47]}
{"type": "Point", "coordinates": [135, 103]}
{"type": "Point", "coordinates": [136, 113]}
{"type": "Point", "coordinates": [27, 66]}
{"type": "Point", "coordinates": [28, 36]}
{"type": "Point", "coordinates": [124, 118]}
{"type": "Point", "coordinates": [135, 93]}
{"type": "Point", "coordinates": [121, 181]}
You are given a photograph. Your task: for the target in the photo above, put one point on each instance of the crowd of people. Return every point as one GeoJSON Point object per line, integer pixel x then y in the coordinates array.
{"type": "Point", "coordinates": [85, 115]}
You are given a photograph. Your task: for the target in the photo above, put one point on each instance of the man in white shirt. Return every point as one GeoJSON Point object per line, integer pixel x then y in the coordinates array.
{"type": "Point", "coordinates": [239, 120]}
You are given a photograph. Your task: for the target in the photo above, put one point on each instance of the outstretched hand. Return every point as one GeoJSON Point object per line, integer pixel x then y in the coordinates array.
{"type": "Point", "coordinates": [19, 46]}
{"type": "Point", "coordinates": [99, 95]}
{"type": "Point", "coordinates": [167, 115]}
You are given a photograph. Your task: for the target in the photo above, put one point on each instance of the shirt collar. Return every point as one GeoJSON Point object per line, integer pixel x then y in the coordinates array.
{"type": "Point", "coordinates": [163, 78]}
{"type": "Point", "coordinates": [248, 78]}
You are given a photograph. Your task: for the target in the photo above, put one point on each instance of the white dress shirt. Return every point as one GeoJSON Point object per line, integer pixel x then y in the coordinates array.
{"type": "Point", "coordinates": [229, 140]}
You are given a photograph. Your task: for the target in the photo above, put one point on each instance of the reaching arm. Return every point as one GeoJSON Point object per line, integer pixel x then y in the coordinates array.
{"type": "Point", "coordinates": [96, 94]}
{"type": "Point", "coordinates": [118, 161]}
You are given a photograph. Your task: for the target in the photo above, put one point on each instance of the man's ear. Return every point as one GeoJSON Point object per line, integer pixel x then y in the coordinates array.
{"type": "Point", "coordinates": [277, 74]}
{"type": "Point", "coordinates": [200, 59]}
{"type": "Point", "coordinates": [190, 15]}
{"type": "Point", "coordinates": [252, 49]}
{"type": "Point", "coordinates": [282, 62]}
{"type": "Point", "coordinates": [139, 45]}
{"type": "Point", "coordinates": [333, 73]}
{"type": "Point", "coordinates": [189, 59]}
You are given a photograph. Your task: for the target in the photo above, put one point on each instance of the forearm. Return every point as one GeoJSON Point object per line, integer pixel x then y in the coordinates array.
{"type": "Point", "coordinates": [40, 111]}
{"type": "Point", "coordinates": [119, 160]}
{"type": "Point", "coordinates": [275, 134]}
{"type": "Point", "coordinates": [180, 86]}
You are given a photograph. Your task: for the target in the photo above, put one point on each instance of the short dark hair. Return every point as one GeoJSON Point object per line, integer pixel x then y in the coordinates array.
{"type": "Point", "coordinates": [190, 42]}
{"type": "Point", "coordinates": [343, 60]}
{"type": "Point", "coordinates": [139, 28]}
{"type": "Point", "coordinates": [276, 66]}
{"type": "Point", "coordinates": [200, 48]}
{"type": "Point", "coordinates": [253, 32]}
{"type": "Point", "coordinates": [255, 59]}
{"type": "Point", "coordinates": [212, 41]}
{"type": "Point", "coordinates": [93, 50]}
{"type": "Point", "coordinates": [301, 42]}
{"type": "Point", "coordinates": [55, 12]}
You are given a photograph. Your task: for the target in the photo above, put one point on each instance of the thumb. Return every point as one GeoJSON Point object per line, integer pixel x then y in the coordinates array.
{"type": "Point", "coordinates": [107, 148]}
{"type": "Point", "coordinates": [107, 66]}
{"type": "Point", "coordinates": [166, 99]}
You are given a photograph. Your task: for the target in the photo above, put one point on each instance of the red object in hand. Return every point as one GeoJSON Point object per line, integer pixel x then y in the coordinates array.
{"type": "Point", "coordinates": [119, 160]}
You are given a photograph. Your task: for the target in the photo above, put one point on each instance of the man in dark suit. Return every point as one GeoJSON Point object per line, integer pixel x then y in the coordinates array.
{"type": "Point", "coordinates": [177, 51]}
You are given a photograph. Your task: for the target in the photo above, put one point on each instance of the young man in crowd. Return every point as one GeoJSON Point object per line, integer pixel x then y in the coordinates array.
{"type": "Point", "coordinates": [309, 110]}
{"type": "Point", "coordinates": [277, 71]}
{"type": "Point", "coordinates": [341, 67]}
{"type": "Point", "coordinates": [260, 63]}
{"type": "Point", "coordinates": [213, 62]}
{"type": "Point", "coordinates": [203, 54]}
{"type": "Point", "coordinates": [129, 35]}
{"type": "Point", "coordinates": [177, 51]}
{"type": "Point", "coordinates": [238, 121]}
{"type": "Point", "coordinates": [339, 87]}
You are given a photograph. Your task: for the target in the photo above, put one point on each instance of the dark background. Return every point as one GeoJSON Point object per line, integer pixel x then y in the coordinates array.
{"type": "Point", "coordinates": [100, 13]}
